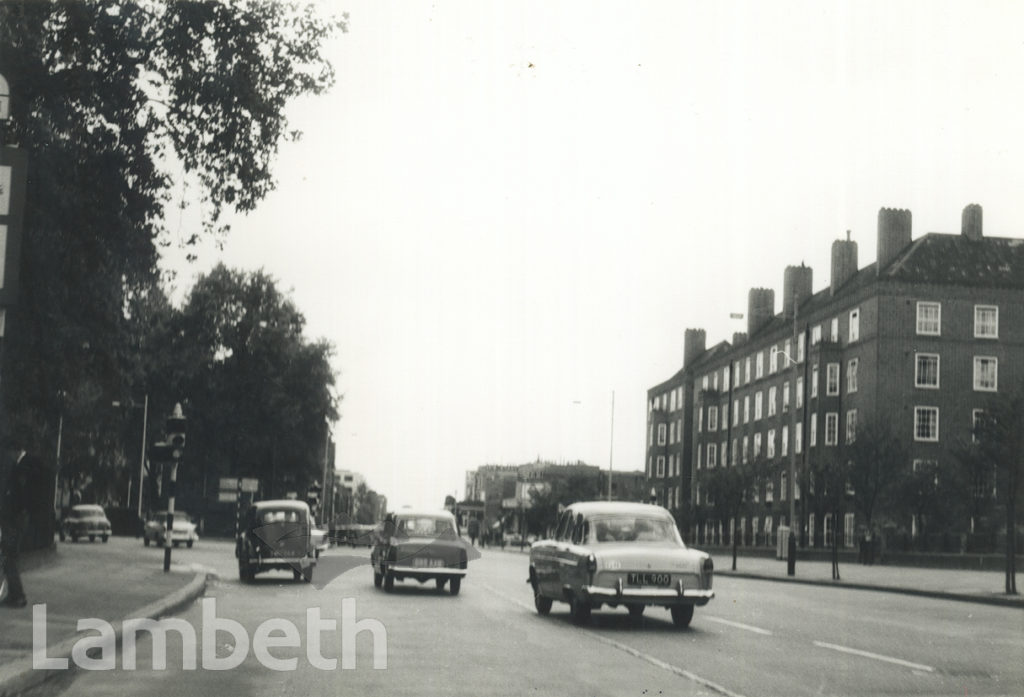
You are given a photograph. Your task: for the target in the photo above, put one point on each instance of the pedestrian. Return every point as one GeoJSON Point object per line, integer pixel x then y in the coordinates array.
{"type": "Point", "coordinates": [17, 495]}
{"type": "Point", "coordinates": [474, 530]}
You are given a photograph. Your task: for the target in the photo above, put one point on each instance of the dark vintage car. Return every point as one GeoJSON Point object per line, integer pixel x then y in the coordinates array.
{"type": "Point", "coordinates": [276, 535]}
{"type": "Point", "coordinates": [617, 553]}
{"type": "Point", "coordinates": [419, 545]}
{"type": "Point", "coordinates": [85, 520]}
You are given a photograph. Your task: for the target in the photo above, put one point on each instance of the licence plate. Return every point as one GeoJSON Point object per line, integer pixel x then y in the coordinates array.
{"type": "Point", "coordinates": [424, 563]}
{"type": "Point", "coordinates": [646, 579]}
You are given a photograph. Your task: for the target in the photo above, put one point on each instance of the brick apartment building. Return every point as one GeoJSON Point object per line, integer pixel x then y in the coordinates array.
{"type": "Point", "coordinates": [919, 338]}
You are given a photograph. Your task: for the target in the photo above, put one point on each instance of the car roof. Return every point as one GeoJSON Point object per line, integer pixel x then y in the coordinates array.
{"type": "Point", "coordinates": [284, 504]}
{"type": "Point", "coordinates": [589, 508]}
{"type": "Point", "coordinates": [428, 512]}
{"type": "Point", "coordinates": [88, 507]}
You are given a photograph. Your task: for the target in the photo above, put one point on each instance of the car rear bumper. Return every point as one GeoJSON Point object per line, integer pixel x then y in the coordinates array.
{"type": "Point", "coordinates": [432, 572]}
{"type": "Point", "coordinates": [651, 596]}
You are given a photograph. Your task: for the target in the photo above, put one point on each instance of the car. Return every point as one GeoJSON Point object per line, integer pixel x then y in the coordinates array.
{"type": "Point", "coordinates": [321, 540]}
{"type": "Point", "coordinates": [276, 534]}
{"type": "Point", "coordinates": [184, 530]}
{"type": "Point", "coordinates": [421, 545]}
{"type": "Point", "coordinates": [618, 553]}
{"type": "Point", "coordinates": [85, 520]}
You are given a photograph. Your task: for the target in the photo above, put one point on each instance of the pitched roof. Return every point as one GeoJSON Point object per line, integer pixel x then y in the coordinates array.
{"type": "Point", "coordinates": [956, 259]}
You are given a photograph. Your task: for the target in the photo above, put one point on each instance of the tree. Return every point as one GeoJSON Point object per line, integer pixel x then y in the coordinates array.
{"type": "Point", "coordinates": [829, 489]}
{"type": "Point", "coordinates": [728, 487]}
{"type": "Point", "coordinates": [877, 460]}
{"type": "Point", "coordinates": [119, 105]}
{"type": "Point", "coordinates": [999, 444]}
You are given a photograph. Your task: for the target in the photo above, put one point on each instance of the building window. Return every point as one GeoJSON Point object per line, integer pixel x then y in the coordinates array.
{"type": "Point", "coordinates": [926, 370]}
{"type": "Point", "coordinates": [814, 431]}
{"type": "Point", "coordinates": [661, 466]}
{"type": "Point", "coordinates": [679, 430]}
{"type": "Point", "coordinates": [800, 347]}
{"type": "Point", "coordinates": [753, 528]}
{"type": "Point", "coordinates": [672, 433]}
{"type": "Point", "coordinates": [712, 455]}
{"type": "Point", "coordinates": [746, 443]}
{"type": "Point", "coordinates": [732, 450]}
{"type": "Point", "coordinates": [769, 496]}
{"type": "Point", "coordinates": [848, 536]}
{"type": "Point", "coordinates": [785, 397]}
{"type": "Point", "coordinates": [799, 392]}
{"type": "Point", "coordinates": [929, 318]}
{"type": "Point", "coordinates": [758, 405]}
{"type": "Point", "coordinates": [759, 367]}
{"type": "Point", "coordinates": [815, 335]}
{"type": "Point", "coordinates": [851, 425]}
{"type": "Point", "coordinates": [700, 451]}
{"type": "Point", "coordinates": [810, 529]}
{"type": "Point", "coordinates": [771, 400]}
{"type": "Point", "coordinates": [798, 438]}
{"type": "Point", "coordinates": [746, 409]}
{"type": "Point", "coordinates": [773, 359]}
{"type": "Point", "coordinates": [712, 418]}
{"type": "Point", "coordinates": [771, 443]}
{"type": "Point", "coordinates": [814, 381]}
{"type": "Point", "coordinates": [854, 325]}
{"type": "Point", "coordinates": [746, 370]}
{"type": "Point", "coordinates": [737, 368]}
{"type": "Point", "coordinates": [834, 330]}
{"type": "Point", "coordinates": [725, 453]}
{"type": "Point", "coordinates": [828, 530]}
{"type": "Point", "coordinates": [851, 375]}
{"type": "Point", "coordinates": [714, 383]}
{"type": "Point", "coordinates": [783, 480]}
{"type": "Point", "coordinates": [831, 428]}
{"type": "Point", "coordinates": [976, 415]}
{"type": "Point", "coordinates": [672, 401]}
{"type": "Point", "coordinates": [700, 420]}
{"type": "Point", "coordinates": [725, 378]}
{"type": "Point", "coordinates": [661, 434]}
{"type": "Point", "coordinates": [785, 440]}
{"type": "Point", "coordinates": [757, 445]}
{"type": "Point", "coordinates": [926, 423]}
{"type": "Point", "coordinates": [986, 322]}
{"type": "Point", "coordinates": [986, 373]}
{"type": "Point", "coordinates": [832, 379]}
{"type": "Point", "coordinates": [725, 415]}
{"type": "Point", "coordinates": [735, 412]}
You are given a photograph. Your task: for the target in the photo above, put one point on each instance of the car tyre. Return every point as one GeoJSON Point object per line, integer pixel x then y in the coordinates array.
{"type": "Point", "coordinates": [245, 575]}
{"type": "Point", "coordinates": [104, 539]}
{"type": "Point", "coordinates": [307, 575]}
{"type": "Point", "coordinates": [92, 538]}
{"type": "Point", "coordinates": [681, 615]}
{"type": "Point", "coordinates": [389, 582]}
{"type": "Point", "coordinates": [455, 585]}
{"type": "Point", "coordinates": [74, 538]}
{"type": "Point", "coordinates": [189, 544]}
{"type": "Point", "coordinates": [542, 604]}
{"type": "Point", "coordinates": [378, 579]}
{"type": "Point", "coordinates": [176, 543]}
{"type": "Point", "coordinates": [296, 574]}
{"type": "Point", "coordinates": [145, 541]}
{"type": "Point", "coordinates": [439, 582]}
{"type": "Point", "coordinates": [579, 610]}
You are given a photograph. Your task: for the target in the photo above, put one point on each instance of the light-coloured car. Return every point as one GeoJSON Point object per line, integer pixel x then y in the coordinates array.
{"type": "Point", "coordinates": [183, 531]}
{"type": "Point", "coordinates": [616, 553]}
{"type": "Point", "coordinates": [420, 545]}
{"type": "Point", "coordinates": [85, 520]}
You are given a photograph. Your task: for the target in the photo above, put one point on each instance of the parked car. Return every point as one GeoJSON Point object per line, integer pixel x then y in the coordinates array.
{"type": "Point", "coordinates": [321, 540]}
{"type": "Point", "coordinates": [184, 530]}
{"type": "Point", "coordinates": [85, 520]}
{"type": "Point", "coordinates": [617, 553]}
{"type": "Point", "coordinates": [419, 545]}
{"type": "Point", "coordinates": [276, 535]}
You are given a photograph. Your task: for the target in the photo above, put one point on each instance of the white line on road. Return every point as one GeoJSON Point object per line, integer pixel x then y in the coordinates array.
{"type": "Point", "coordinates": [715, 687]}
{"type": "Point", "coordinates": [876, 656]}
{"type": "Point", "coordinates": [738, 625]}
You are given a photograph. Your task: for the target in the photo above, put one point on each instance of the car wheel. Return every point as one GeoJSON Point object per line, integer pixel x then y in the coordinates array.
{"type": "Point", "coordinates": [681, 615]}
{"type": "Point", "coordinates": [74, 538]}
{"type": "Point", "coordinates": [244, 574]}
{"type": "Point", "coordinates": [307, 575]}
{"type": "Point", "coordinates": [579, 610]}
{"type": "Point", "coordinates": [542, 604]}
{"type": "Point", "coordinates": [378, 579]}
{"type": "Point", "coordinates": [189, 544]}
{"type": "Point", "coordinates": [296, 574]}
{"type": "Point", "coordinates": [104, 538]}
{"type": "Point", "coordinates": [176, 543]}
{"type": "Point", "coordinates": [389, 582]}
{"type": "Point", "coordinates": [145, 541]}
{"type": "Point", "coordinates": [635, 611]}
{"type": "Point", "coordinates": [454, 585]}
{"type": "Point", "coordinates": [92, 538]}
{"type": "Point", "coordinates": [439, 582]}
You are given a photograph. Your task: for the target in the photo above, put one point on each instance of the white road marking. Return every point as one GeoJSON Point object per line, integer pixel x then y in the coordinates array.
{"type": "Point", "coordinates": [875, 656]}
{"type": "Point", "coordinates": [704, 682]}
{"type": "Point", "coordinates": [739, 625]}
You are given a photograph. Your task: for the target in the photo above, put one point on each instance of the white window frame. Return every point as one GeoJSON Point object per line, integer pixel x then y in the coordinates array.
{"type": "Point", "coordinates": [799, 392]}
{"type": "Point", "coordinates": [746, 409]}
{"type": "Point", "coordinates": [736, 412]}
{"type": "Point", "coordinates": [757, 445]}
{"type": "Point", "coordinates": [712, 419]}
{"type": "Point", "coordinates": [918, 357]}
{"type": "Point", "coordinates": [919, 412]}
{"type": "Point", "coordinates": [785, 397]}
{"type": "Point", "coordinates": [661, 434]}
{"type": "Point", "coordinates": [980, 331]}
{"type": "Point", "coordinates": [834, 330]}
{"type": "Point", "coordinates": [712, 455]}
{"type": "Point", "coordinates": [851, 375]}
{"type": "Point", "coordinates": [784, 437]}
{"type": "Point", "coordinates": [746, 370]}
{"type": "Point", "coordinates": [783, 480]}
{"type": "Point", "coordinates": [814, 381]}
{"type": "Point", "coordinates": [801, 347]}
{"type": "Point", "coordinates": [813, 437]}
{"type": "Point", "coordinates": [772, 395]}
{"type": "Point", "coordinates": [773, 360]}
{"type": "Point", "coordinates": [758, 405]}
{"type": "Point", "coordinates": [849, 521]}
{"type": "Point", "coordinates": [815, 335]}
{"type": "Point", "coordinates": [746, 448]}
{"type": "Point", "coordinates": [831, 379]}
{"type": "Point", "coordinates": [759, 365]}
{"type": "Point", "coordinates": [979, 362]}
{"type": "Point", "coordinates": [851, 425]}
{"type": "Point", "coordinates": [770, 446]}
{"type": "Point", "coordinates": [660, 472]}
{"type": "Point", "coordinates": [672, 433]}
{"type": "Point", "coordinates": [769, 494]}
{"type": "Point", "coordinates": [832, 428]}
{"type": "Point", "coordinates": [924, 323]}
{"type": "Point", "coordinates": [975, 417]}
{"type": "Point", "coordinates": [854, 325]}
{"type": "Point", "coordinates": [798, 438]}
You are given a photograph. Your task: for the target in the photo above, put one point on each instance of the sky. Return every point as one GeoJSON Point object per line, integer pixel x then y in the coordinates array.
{"type": "Point", "coordinates": [504, 215]}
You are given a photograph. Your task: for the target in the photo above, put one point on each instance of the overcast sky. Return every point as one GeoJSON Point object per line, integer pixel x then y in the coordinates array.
{"type": "Point", "coordinates": [505, 212]}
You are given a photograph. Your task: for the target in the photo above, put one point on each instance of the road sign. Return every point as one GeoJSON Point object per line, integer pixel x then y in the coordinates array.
{"type": "Point", "coordinates": [250, 485]}
{"type": "Point", "coordinates": [228, 483]}
{"type": "Point", "coordinates": [227, 496]}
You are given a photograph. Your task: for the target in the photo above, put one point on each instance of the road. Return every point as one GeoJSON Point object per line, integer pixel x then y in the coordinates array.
{"type": "Point", "coordinates": [754, 638]}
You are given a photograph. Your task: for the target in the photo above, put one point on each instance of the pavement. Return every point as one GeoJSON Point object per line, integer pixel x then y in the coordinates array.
{"type": "Point", "coordinates": [76, 584]}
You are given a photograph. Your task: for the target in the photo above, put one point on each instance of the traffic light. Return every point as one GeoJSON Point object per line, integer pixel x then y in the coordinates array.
{"type": "Point", "coordinates": [160, 452]}
{"type": "Point", "coordinates": [176, 432]}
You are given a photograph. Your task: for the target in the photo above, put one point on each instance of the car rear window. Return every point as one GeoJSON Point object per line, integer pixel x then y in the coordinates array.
{"type": "Point", "coordinates": [280, 517]}
{"type": "Point", "coordinates": [631, 528]}
{"type": "Point", "coordinates": [426, 526]}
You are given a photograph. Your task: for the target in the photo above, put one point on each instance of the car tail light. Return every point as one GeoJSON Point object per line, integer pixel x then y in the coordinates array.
{"type": "Point", "coordinates": [591, 563]}
{"type": "Point", "coordinates": [709, 569]}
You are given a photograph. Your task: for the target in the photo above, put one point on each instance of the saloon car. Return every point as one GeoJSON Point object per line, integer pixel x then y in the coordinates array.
{"type": "Point", "coordinates": [422, 546]}
{"type": "Point", "coordinates": [619, 554]}
{"type": "Point", "coordinates": [85, 520]}
{"type": "Point", "coordinates": [183, 531]}
{"type": "Point", "coordinates": [276, 534]}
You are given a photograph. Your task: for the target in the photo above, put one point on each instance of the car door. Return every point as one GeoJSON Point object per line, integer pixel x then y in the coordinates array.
{"type": "Point", "coordinates": [547, 560]}
{"type": "Point", "coordinates": [572, 554]}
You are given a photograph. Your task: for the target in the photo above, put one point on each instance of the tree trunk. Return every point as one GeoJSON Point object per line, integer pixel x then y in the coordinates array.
{"type": "Point", "coordinates": [1011, 545]}
{"type": "Point", "coordinates": [734, 551]}
{"type": "Point", "coordinates": [835, 546]}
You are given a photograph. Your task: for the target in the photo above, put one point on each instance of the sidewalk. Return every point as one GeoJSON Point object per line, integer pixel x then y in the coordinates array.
{"type": "Point", "coordinates": [74, 583]}
{"type": "Point", "coordinates": [948, 584]}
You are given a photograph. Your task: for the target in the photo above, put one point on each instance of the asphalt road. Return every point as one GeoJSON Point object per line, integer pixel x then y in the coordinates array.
{"type": "Point", "coordinates": [754, 638]}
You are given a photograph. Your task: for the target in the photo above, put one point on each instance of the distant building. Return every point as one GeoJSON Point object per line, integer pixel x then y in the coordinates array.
{"type": "Point", "coordinates": [919, 340]}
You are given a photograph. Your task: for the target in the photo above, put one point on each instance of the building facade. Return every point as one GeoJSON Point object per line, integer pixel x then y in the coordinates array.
{"type": "Point", "coordinates": [916, 341]}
